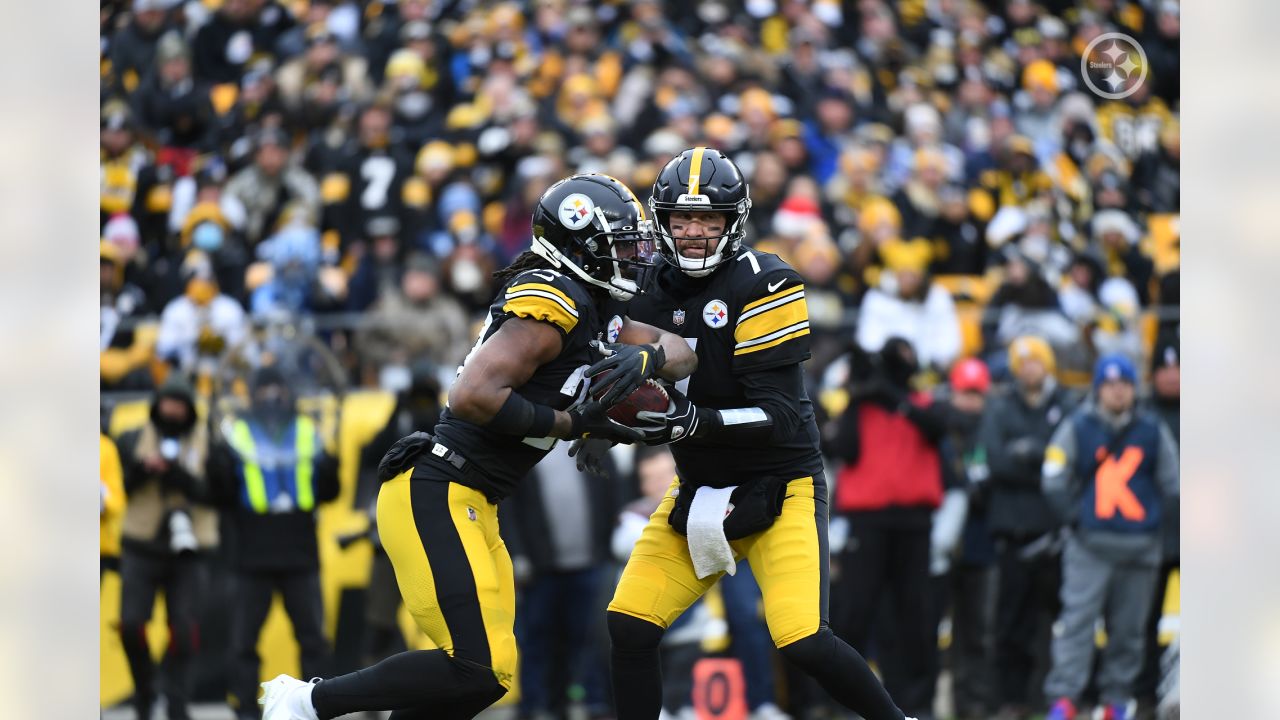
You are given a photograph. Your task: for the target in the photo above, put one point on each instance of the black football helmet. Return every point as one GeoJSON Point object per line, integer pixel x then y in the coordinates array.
{"type": "Point", "coordinates": [591, 225]}
{"type": "Point", "coordinates": [701, 179]}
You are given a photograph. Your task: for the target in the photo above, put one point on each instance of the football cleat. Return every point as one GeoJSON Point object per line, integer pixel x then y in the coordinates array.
{"type": "Point", "coordinates": [287, 698]}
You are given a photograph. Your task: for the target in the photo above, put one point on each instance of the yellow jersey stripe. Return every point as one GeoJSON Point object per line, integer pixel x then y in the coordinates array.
{"type": "Point", "coordinates": [770, 298]}
{"type": "Point", "coordinates": [772, 321]}
{"type": "Point", "coordinates": [543, 287]}
{"type": "Point", "coordinates": [695, 170]}
{"type": "Point", "coordinates": [538, 307]}
{"type": "Point", "coordinates": [772, 343]}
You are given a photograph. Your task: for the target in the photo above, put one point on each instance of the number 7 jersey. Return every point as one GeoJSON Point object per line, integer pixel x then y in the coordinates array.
{"type": "Point", "coordinates": [748, 316]}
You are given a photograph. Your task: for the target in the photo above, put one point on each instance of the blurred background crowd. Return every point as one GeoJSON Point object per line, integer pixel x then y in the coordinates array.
{"type": "Point", "coordinates": [324, 187]}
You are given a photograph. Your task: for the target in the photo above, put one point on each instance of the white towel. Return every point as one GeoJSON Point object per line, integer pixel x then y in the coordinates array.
{"type": "Point", "coordinates": [707, 544]}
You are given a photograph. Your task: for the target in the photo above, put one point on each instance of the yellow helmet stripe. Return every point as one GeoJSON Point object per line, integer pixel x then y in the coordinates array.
{"type": "Point", "coordinates": [695, 170]}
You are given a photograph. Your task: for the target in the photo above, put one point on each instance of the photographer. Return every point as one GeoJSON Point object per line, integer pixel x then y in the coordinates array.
{"type": "Point", "coordinates": [889, 486]}
{"type": "Point", "coordinates": [168, 529]}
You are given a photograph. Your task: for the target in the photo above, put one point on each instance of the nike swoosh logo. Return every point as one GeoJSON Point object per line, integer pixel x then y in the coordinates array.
{"type": "Point", "coordinates": [775, 286]}
{"type": "Point", "coordinates": [548, 277]}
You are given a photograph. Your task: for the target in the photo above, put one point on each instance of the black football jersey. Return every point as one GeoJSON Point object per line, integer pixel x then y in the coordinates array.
{"type": "Point", "coordinates": [550, 297]}
{"type": "Point", "coordinates": [745, 317]}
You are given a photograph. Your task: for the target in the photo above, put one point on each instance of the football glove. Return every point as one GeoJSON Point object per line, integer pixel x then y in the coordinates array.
{"type": "Point", "coordinates": [679, 422]}
{"type": "Point", "coordinates": [589, 453]}
{"type": "Point", "coordinates": [591, 421]}
{"type": "Point", "coordinates": [625, 367]}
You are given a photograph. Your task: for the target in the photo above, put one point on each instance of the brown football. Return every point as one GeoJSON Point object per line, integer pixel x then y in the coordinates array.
{"type": "Point", "coordinates": [649, 396]}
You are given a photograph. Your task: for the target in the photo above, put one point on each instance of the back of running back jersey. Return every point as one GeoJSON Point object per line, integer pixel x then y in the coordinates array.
{"type": "Point", "coordinates": [746, 317]}
{"type": "Point", "coordinates": [546, 296]}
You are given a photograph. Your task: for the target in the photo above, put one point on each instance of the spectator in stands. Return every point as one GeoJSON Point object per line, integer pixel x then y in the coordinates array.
{"type": "Point", "coordinates": [890, 484]}
{"type": "Point", "coordinates": [379, 271]}
{"type": "Point", "coordinates": [1016, 426]}
{"type": "Point", "coordinates": [419, 321]}
{"type": "Point", "coordinates": [270, 184]}
{"type": "Point", "coordinates": [201, 323]}
{"type": "Point", "coordinates": [1108, 472]}
{"type": "Point", "coordinates": [238, 31]}
{"type": "Point", "coordinates": [276, 473]}
{"type": "Point", "coordinates": [171, 105]}
{"type": "Point", "coordinates": [126, 349]}
{"type": "Point", "coordinates": [908, 305]}
{"type": "Point", "coordinates": [1025, 304]}
{"type": "Point", "coordinates": [1116, 236]}
{"type": "Point", "coordinates": [133, 49]}
{"type": "Point", "coordinates": [170, 528]}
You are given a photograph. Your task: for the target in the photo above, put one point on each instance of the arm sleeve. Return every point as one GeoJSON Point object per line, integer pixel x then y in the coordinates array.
{"type": "Point", "coordinates": [1057, 476]}
{"type": "Point", "coordinates": [772, 328]}
{"type": "Point", "coordinates": [771, 392]}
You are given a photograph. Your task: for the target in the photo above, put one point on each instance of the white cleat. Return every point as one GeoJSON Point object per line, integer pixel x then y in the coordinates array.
{"type": "Point", "coordinates": [287, 698]}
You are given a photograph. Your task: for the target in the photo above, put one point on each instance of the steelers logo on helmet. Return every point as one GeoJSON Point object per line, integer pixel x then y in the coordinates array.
{"type": "Point", "coordinates": [575, 211]}
{"type": "Point", "coordinates": [715, 314]}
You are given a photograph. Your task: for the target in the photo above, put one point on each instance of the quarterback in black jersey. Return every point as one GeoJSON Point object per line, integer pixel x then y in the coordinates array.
{"type": "Point", "coordinates": [742, 421]}
{"type": "Point", "coordinates": [522, 387]}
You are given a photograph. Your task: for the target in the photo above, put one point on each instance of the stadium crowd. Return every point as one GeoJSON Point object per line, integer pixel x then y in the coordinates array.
{"type": "Point", "coordinates": [990, 252]}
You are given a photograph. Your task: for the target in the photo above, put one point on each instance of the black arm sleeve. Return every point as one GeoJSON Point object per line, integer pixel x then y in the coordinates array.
{"type": "Point", "coordinates": [772, 391]}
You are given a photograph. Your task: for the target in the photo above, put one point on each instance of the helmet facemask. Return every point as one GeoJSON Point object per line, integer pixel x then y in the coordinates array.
{"type": "Point", "coordinates": [719, 248]}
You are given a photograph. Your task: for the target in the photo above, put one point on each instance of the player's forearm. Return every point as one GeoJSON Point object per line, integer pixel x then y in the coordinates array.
{"type": "Point", "coordinates": [681, 359]}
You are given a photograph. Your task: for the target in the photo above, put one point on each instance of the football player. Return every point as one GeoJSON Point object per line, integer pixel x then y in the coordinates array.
{"type": "Point", "coordinates": [742, 420]}
{"type": "Point", "coordinates": [522, 387]}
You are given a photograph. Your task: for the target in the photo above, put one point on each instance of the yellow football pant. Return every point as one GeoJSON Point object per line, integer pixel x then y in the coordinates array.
{"type": "Point", "coordinates": [789, 561]}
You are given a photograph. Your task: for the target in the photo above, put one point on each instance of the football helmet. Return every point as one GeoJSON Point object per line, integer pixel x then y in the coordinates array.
{"type": "Point", "coordinates": [701, 179]}
{"type": "Point", "coordinates": [592, 226]}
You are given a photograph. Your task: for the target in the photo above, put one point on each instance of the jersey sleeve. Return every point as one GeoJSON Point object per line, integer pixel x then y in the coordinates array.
{"type": "Point", "coordinates": [773, 324]}
{"type": "Point", "coordinates": [543, 295]}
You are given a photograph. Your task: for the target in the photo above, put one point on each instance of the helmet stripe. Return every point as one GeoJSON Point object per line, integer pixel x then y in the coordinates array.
{"type": "Point", "coordinates": [695, 170]}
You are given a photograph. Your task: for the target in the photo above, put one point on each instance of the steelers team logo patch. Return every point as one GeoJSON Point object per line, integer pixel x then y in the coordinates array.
{"type": "Point", "coordinates": [575, 211]}
{"type": "Point", "coordinates": [614, 329]}
{"type": "Point", "coordinates": [715, 314]}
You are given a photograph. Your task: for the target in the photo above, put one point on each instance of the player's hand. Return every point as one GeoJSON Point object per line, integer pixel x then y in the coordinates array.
{"type": "Point", "coordinates": [590, 420]}
{"type": "Point", "coordinates": [589, 454]}
{"type": "Point", "coordinates": [626, 367]}
{"type": "Point", "coordinates": [679, 422]}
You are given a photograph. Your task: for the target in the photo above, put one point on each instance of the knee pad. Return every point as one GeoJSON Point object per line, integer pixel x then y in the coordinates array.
{"type": "Point", "coordinates": [815, 651]}
{"type": "Point", "coordinates": [631, 634]}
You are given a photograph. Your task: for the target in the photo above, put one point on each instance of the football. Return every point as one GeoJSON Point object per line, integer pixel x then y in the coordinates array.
{"type": "Point", "coordinates": [649, 396]}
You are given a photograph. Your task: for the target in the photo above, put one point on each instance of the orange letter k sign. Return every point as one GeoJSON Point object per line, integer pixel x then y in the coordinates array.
{"type": "Point", "coordinates": [1113, 491]}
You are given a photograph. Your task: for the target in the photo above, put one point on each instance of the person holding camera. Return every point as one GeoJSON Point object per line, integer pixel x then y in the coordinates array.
{"type": "Point", "coordinates": [169, 529]}
{"type": "Point", "coordinates": [887, 489]}
{"type": "Point", "coordinates": [280, 473]}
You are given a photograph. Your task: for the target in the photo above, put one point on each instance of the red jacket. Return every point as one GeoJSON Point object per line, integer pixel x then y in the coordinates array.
{"type": "Point", "coordinates": [896, 465]}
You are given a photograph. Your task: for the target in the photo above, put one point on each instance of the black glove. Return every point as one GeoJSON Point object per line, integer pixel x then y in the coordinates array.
{"type": "Point", "coordinates": [679, 422]}
{"type": "Point", "coordinates": [590, 454]}
{"type": "Point", "coordinates": [626, 367]}
{"type": "Point", "coordinates": [590, 420]}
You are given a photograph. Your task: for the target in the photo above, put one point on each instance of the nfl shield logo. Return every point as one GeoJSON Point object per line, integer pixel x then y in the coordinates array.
{"type": "Point", "coordinates": [677, 318]}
